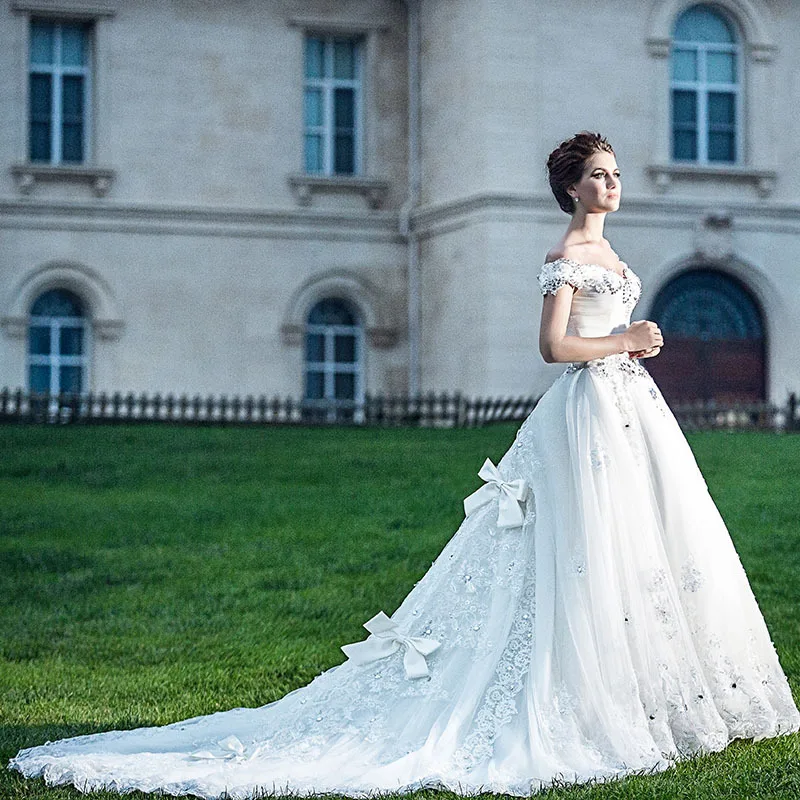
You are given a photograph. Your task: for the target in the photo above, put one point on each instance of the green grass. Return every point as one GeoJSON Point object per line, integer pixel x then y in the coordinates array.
{"type": "Point", "coordinates": [150, 574]}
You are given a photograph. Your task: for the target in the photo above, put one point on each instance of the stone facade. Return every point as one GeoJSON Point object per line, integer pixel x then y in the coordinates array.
{"type": "Point", "coordinates": [198, 243]}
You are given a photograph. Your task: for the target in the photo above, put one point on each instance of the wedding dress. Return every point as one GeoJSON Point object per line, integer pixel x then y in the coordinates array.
{"type": "Point", "coordinates": [590, 618]}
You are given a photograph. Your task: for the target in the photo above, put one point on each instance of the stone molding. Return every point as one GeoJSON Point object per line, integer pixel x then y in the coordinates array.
{"type": "Point", "coordinates": [665, 174]}
{"type": "Point", "coordinates": [336, 25]}
{"type": "Point", "coordinates": [304, 186]}
{"type": "Point", "coordinates": [27, 176]}
{"type": "Point", "coordinates": [66, 8]}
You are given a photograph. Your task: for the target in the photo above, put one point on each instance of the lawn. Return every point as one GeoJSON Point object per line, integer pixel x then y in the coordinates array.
{"type": "Point", "coordinates": [154, 573]}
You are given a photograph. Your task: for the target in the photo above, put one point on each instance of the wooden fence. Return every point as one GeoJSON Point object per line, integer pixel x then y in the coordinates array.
{"type": "Point", "coordinates": [426, 410]}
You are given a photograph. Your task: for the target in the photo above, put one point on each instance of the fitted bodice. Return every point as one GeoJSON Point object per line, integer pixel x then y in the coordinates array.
{"type": "Point", "coordinates": [603, 301]}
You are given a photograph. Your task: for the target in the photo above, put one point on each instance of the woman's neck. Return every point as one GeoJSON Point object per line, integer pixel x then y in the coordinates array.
{"type": "Point", "coordinates": [586, 228]}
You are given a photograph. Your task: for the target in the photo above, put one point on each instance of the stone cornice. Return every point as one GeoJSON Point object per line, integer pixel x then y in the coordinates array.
{"type": "Point", "coordinates": [299, 223]}
{"type": "Point", "coordinates": [66, 8]}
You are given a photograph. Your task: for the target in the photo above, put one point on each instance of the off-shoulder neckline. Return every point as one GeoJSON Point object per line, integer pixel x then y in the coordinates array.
{"type": "Point", "coordinates": [623, 276]}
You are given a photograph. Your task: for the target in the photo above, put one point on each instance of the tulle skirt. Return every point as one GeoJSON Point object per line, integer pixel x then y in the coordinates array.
{"type": "Point", "coordinates": [589, 619]}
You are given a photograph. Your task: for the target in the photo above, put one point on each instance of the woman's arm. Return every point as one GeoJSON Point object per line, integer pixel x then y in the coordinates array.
{"type": "Point", "coordinates": [556, 346]}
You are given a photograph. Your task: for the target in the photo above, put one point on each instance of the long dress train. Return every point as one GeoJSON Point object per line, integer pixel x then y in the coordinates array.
{"type": "Point", "coordinates": [589, 618]}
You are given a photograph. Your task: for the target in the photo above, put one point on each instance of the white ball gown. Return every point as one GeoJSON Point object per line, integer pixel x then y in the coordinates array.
{"type": "Point", "coordinates": [590, 618]}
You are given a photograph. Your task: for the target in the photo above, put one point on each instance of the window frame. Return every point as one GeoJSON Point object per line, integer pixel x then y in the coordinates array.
{"type": "Point", "coordinates": [57, 71]}
{"type": "Point", "coordinates": [328, 85]}
{"type": "Point", "coordinates": [329, 367]}
{"type": "Point", "coordinates": [54, 359]}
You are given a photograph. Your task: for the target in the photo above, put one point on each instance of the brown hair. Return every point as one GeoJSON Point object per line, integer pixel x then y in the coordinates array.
{"type": "Point", "coordinates": [565, 164]}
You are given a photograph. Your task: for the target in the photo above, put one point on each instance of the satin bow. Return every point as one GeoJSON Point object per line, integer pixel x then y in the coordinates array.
{"type": "Point", "coordinates": [385, 640]}
{"type": "Point", "coordinates": [511, 494]}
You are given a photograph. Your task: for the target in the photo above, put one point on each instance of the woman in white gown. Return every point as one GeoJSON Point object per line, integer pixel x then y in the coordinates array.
{"type": "Point", "coordinates": [589, 619]}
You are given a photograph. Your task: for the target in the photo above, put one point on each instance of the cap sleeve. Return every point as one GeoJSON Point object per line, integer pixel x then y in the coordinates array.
{"type": "Point", "coordinates": [558, 273]}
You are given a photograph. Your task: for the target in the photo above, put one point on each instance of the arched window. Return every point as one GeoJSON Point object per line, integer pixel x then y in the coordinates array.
{"type": "Point", "coordinates": [713, 339]}
{"type": "Point", "coordinates": [333, 368]}
{"type": "Point", "coordinates": [57, 343]}
{"type": "Point", "coordinates": [705, 87]}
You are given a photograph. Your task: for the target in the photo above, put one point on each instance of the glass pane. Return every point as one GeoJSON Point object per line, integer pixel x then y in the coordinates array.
{"type": "Point", "coordinates": [315, 385]}
{"type": "Point", "coordinates": [684, 145]}
{"type": "Point", "coordinates": [331, 311]}
{"type": "Point", "coordinates": [71, 342]}
{"type": "Point", "coordinates": [72, 97]}
{"type": "Point", "coordinates": [69, 379]}
{"type": "Point", "coordinates": [39, 378]}
{"type": "Point", "coordinates": [313, 153]}
{"type": "Point", "coordinates": [721, 67]}
{"type": "Point", "coordinates": [344, 348]}
{"type": "Point", "coordinates": [73, 45]}
{"type": "Point", "coordinates": [313, 107]}
{"type": "Point", "coordinates": [684, 65]}
{"type": "Point", "coordinates": [315, 57]}
{"type": "Point", "coordinates": [721, 146]}
{"type": "Point", "coordinates": [684, 107]}
{"type": "Point", "coordinates": [721, 108]}
{"type": "Point", "coordinates": [344, 109]}
{"type": "Point", "coordinates": [42, 42]}
{"type": "Point", "coordinates": [57, 303]}
{"type": "Point", "coordinates": [72, 143]}
{"type": "Point", "coordinates": [39, 340]}
{"type": "Point", "coordinates": [702, 24]}
{"type": "Point", "coordinates": [344, 59]}
{"type": "Point", "coordinates": [344, 386]}
{"type": "Point", "coordinates": [315, 347]}
{"type": "Point", "coordinates": [40, 141]}
{"type": "Point", "coordinates": [40, 121]}
{"type": "Point", "coordinates": [344, 154]}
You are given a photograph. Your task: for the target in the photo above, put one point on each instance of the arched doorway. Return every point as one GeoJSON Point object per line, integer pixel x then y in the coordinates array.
{"type": "Point", "coordinates": [714, 343]}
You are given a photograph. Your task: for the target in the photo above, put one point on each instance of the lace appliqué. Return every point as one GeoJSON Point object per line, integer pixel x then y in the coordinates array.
{"type": "Point", "coordinates": [591, 277]}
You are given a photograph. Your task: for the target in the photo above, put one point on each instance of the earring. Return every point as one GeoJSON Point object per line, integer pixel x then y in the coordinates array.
{"type": "Point", "coordinates": [575, 198]}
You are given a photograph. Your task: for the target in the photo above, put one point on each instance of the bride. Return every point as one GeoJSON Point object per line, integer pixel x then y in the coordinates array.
{"type": "Point", "coordinates": [590, 618]}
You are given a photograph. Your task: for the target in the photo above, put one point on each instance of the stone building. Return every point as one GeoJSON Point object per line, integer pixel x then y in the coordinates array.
{"type": "Point", "coordinates": [323, 198]}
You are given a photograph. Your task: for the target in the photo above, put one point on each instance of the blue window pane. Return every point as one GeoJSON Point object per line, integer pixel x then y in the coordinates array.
{"type": "Point", "coordinates": [57, 303]}
{"type": "Point", "coordinates": [72, 116]}
{"type": "Point", "coordinates": [701, 24]}
{"type": "Point", "coordinates": [721, 67]}
{"type": "Point", "coordinates": [344, 155]}
{"type": "Point", "coordinates": [331, 311]}
{"type": "Point", "coordinates": [344, 59]}
{"type": "Point", "coordinates": [315, 347]}
{"type": "Point", "coordinates": [721, 146]}
{"type": "Point", "coordinates": [313, 154]}
{"type": "Point", "coordinates": [684, 108]}
{"type": "Point", "coordinates": [684, 145]}
{"type": "Point", "coordinates": [73, 45]}
{"type": "Point", "coordinates": [721, 108]}
{"type": "Point", "coordinates": [69, 379]}
{"type": "Point", "coordinates": [344, 116]}
{"type": "Point", "coordinates": [39, 340]}
{"type": "Point", "coordinates": [315, 385]}
{"type": "Point", "coordinates": [684, 65]}
{"type": "Point", "coordinates": [39, 378]}
{"type": "Point", "coordinates": [314, 57]}
{"type": "Point", "coordinates": [71, 343]}
{"type": "Point", "coordinates": [344, 386]}
{"type": "Point", "coordinates": [313, 107]}
{"type": "Point", "coordinates": [42, 36]}
{"type": "Point", "coordinates": [344, 348]}
{"type": "Point", "coordinates": [40, 120]}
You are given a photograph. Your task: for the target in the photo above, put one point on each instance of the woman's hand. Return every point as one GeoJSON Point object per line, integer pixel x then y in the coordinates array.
{"type": "Point", "coordinates": [642, 336]}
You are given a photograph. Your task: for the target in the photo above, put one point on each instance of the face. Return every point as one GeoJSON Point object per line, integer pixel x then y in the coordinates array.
{"type": "Point", "coordinates": [600, 186]}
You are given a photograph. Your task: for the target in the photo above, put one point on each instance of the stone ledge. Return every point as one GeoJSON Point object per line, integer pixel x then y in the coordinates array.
{"type": "Point", "coordinates": [305, 186]}
{"type": "Point", "coordinates": [665, 174]}
{"type": "Point", "coordinates": [293, 335]}
{"type": "Point", "coordinates": [66, 8]}
{"type": "Point", "coordinates": [28, 175]}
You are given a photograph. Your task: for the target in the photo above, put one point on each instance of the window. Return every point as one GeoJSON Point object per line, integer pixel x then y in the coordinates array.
{"type": "Point", "coordinates": [57, 339]}
{"type": "Point", "coordinates": [59, 91]}
{"type": "Point", "coordinates": [334, 344]}
{"type": "Point", "coordinates": [705, 88]}
{"type": "Point", "coordinates": [332, 105]}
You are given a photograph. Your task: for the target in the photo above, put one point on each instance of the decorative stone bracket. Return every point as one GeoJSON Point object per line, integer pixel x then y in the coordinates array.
{"type": "Point", "coordinates": [28, 175]}
{"type": "Point", "coordinates": [305, 186]}
{"type": "Point", "coordinates": [665, 174]}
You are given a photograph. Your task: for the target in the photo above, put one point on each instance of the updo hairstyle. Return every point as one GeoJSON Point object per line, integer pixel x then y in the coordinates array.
{"type": "Point", "coordinates": [565, 164]}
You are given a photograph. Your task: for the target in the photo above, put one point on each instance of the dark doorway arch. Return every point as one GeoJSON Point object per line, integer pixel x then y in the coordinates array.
{"type": "Point", "coordinates": [714, 342]}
